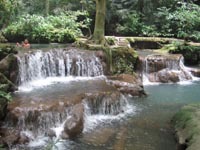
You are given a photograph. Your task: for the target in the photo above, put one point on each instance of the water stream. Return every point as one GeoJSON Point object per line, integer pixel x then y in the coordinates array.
{"type": "Point", "coordinates": [124, 124]}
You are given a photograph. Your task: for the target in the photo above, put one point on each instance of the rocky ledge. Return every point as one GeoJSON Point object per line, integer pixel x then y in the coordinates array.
{"type": "Point", "coordinates": [187, 127]}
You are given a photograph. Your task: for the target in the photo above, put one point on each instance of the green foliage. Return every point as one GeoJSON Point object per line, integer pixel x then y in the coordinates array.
{"type": "Point", "coordinates": [190, 52]}
{"type": "Point", "coordinates": [110, 40]}
{"type": "Point", "coordinates": [187, 125]}
{"type": "Point", "coordinates": [63, 28]}
{"type": "Point", "coordinates": [123, 60]}
{"type": "Point", "coordinates": [6, 95]}
{"type": "Point", "coordinates": [8, 10]}
{"type": "Point", "coordinates": [132, 25]}
{"type": "Point", "coordinates": [183, 22]}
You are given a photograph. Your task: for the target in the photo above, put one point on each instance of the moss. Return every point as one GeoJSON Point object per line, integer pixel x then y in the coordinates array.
{"type": "Point", "coordinates": [123, 60]}
{"type": "Point", "coordinates": [120, 59]}
{"type": "Point", "coordinates": [187, 126]}
{"type": "Point", "coordinates": [6, 49]}
{"type": "Point", "coordinates": [2, 38]}
{"type": "Point", "coordinates": [111, 40]}
{"type": "Point", "coordinates": [191, 52]}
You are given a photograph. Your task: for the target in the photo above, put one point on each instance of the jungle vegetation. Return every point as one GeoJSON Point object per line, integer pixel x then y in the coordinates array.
{"type": "Point", "coordinates": [65, 20]}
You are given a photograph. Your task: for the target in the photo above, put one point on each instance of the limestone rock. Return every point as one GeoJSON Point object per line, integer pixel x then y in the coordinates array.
{"type": "Point", "coordinates": [74, 124]}
{"type": "Point", "coordinates": [127, 84]}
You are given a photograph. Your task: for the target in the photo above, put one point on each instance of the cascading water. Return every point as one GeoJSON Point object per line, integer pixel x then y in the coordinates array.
{"type": "Point", "coordinates": [57, 63]}
{"type": "Point", "coordinates": [36, 116]}
{"type": "Point", "coordinates": [165, 69]}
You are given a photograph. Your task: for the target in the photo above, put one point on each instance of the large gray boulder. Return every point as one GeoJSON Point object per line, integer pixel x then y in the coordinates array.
{"type": "Point", "coordinates": [74, 124]}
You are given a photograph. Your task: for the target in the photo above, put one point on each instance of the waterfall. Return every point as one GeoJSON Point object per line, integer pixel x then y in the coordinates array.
{"type": "Point", "coordinates": [105, 109]}
{"type": "Point", "coordinates": [165, 69]}
{"type": "Point", "coordinates": [39, 64]}
{"type": "Point", "coordinates": [38, 124]}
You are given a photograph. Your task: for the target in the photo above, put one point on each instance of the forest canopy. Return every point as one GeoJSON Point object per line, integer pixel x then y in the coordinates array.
{"type": "Point", "coordinates": [172, 18]}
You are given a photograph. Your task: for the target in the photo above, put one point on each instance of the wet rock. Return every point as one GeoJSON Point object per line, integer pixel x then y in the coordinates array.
{"type": "Point", "coordinates": [6, 85]}
{"type": "Point", "coordinates": [9, 67]}
{"type": "Point", "coordinates": [9, 136]}
{"type": "Point", "coordinates": [64, 135]}
{"type": "Point", "coordinates": [196, 72]}
{"type": "Point", "coordinates": [155, 63]}
{"type": "Point", "coordinates": [105, 102]}
{"type": "Point", "coordinates": [133, 90]}
{"type": "Point", "coordinates": [23, 139]}
{"type": "Point", "coordinates": [127, 84]}
{"type": "Point", "coordinates": [101, 55]}
{"type": "Point", "coordinates": [3, 108]}
{"type": "Point", "coordinates": [168, 76]}
{"type": "Point", "coordinates": [51, 133]}
{"type": "Point", "coordinates": [74, 124]}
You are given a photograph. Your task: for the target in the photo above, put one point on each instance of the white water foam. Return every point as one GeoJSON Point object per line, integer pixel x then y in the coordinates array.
{"type": "Point", "coordinates": [91, 121]}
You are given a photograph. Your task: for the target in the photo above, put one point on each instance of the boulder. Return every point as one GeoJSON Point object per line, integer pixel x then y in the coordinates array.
{"type": "Point", "coordinates": [166, 76]}
{"type": "Point", "coordinates": [74, 124]}
{"type": "Point", "coordinates": [9, 67]}
{"type": "Point", "coordinates": [128, 84]}
{"type": "Point", "coordinates": [9, 136]}
{"type": "Point", "coordinates": [6, 85]}
{"type": "Point", "coordinates": [195, 72]}
{"type": "Point", "coordinates": [169, 76]}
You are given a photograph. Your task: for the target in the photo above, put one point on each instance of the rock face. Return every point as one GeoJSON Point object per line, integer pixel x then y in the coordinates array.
{"type": "Point", "coordinates": [128, 84]}
{"type": "Point", "coordinates": [11, 137]}
{"type": "Point", "coordinates": [6, 85]}
{"type": "Point", "coordinates": [9, 67]}
{"type": "Point", "coordinates": [74, 124]}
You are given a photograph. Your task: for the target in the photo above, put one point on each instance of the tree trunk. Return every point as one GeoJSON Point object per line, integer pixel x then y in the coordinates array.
{"type": "Point", "coordinates": [46, 7]}
{"type": "Point", "coordinates": [99, 29]}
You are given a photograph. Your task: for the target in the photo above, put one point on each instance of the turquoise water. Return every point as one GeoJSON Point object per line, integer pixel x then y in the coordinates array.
{"type": "Point", "coordinates": [150, 128]}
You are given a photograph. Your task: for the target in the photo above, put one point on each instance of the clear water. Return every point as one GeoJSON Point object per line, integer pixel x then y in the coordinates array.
{"type": "Point", "coordinates": [148, 128]}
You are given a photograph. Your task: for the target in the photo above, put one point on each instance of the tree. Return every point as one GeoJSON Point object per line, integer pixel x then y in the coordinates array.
{"type": "Point", "coordinates": [99, 29]}
{"type": "Point", "coordinates": [47, 7]}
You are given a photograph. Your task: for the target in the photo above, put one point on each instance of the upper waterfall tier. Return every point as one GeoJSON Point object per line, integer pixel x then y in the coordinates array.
{"type": "Point", "coordinates": [165, 68]}
{"type": "Point", "coordinates": [58, 62]}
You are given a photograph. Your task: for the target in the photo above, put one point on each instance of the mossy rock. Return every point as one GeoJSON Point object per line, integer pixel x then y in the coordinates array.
{"type": "Point", "coordinates": [190, 52]}
{"type": "Point", "coordinates": [6, 49]}
{"type": "Point", "coordinates": [187, 126]}
{"type": "Point", "coordinates": [122, 59]}
{"type": "Point", "coordinates": [2, 38]}
{"type": "Point", "coordinates": [6, 85]}
{"type": "Point", "coordinates": [9, 67]}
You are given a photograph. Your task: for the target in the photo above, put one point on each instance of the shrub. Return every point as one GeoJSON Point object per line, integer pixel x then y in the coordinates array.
{"type": "Point", "coordinates": [38, 29]}
{"type": "Point", "coordinates": [131, 26]}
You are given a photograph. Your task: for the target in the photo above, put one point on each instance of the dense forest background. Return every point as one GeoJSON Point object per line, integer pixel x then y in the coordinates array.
{"type": "Point", "coordinates": [65, 20]}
